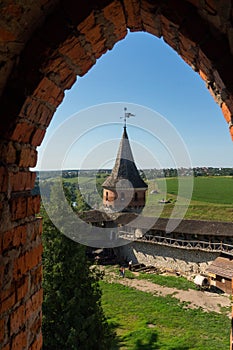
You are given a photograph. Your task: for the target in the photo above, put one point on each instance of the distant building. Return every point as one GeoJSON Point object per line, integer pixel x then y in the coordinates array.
{"type": "Point", "coordinates": [124, 190]}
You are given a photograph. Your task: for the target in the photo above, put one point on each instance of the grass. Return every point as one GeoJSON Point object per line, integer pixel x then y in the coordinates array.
{"type": "Point", "coordinates": [168, 281]}
{"type": "Point", "coordinates": [195, 211]}
{"type": "Point", "coordinates": [144, 321]}
{"type": "Point", "coordinates": [217, 189]}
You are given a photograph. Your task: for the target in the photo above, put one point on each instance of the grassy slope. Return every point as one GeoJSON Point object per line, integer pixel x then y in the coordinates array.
{"type": "Point", "coordinates": [144, 321]}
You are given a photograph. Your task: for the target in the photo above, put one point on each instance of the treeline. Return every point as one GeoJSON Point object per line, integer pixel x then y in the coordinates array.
{"type": "Point", "coordinates": [198, 171]}
{"type": "Point", "coordinates": [73, 317]}
{"type": "Point", "coordinates": [148, 173]}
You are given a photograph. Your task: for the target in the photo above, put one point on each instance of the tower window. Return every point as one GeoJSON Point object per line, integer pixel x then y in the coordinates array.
{"type": "Point", "coordinates": [135, 196]}
{"type": "Point", "coordinates": [106, 195]}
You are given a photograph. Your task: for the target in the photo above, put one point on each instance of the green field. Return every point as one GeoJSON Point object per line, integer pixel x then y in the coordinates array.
{"type": "Point", "coordinates": [217, 190]}
{"type": "Point", "coordinates": [212, 198]}
{"type": "Point", "coordinates": [144, 321]}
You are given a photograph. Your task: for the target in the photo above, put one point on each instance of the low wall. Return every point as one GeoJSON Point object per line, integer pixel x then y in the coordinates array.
{"type": "Point", "coordinates": [185, 261]}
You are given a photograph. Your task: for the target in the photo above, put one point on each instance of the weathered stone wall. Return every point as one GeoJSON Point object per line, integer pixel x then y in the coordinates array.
{"type": "Point", "coordinates": [187, 262]}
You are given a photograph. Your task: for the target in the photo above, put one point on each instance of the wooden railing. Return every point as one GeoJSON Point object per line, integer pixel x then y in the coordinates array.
{"type": "Point", "coordinates": [179, 243]}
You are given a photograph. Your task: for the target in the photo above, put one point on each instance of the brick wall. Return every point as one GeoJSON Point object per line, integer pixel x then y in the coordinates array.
{"type": "Point", "coordinates": [113, 199]}
{"type": "Point", "coordinates": [20, 279]}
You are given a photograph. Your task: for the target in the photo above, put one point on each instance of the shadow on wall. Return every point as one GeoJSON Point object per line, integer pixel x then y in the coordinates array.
{"type": "Point", "coordinates": [126, 253]}
{"type": "Point", "coordinates": [183, 260]}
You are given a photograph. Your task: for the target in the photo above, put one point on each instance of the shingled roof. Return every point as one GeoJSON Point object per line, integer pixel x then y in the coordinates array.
{"type": "Point", "coordinates": [124, 168]}
{"type": "Point", "coordinates": [219, 229]}
{"type": "Point", "coordinates": [222, 266]}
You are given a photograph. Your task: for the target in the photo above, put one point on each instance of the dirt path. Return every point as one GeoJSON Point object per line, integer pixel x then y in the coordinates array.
{"type": "Point", "coordinates": [206, 300]}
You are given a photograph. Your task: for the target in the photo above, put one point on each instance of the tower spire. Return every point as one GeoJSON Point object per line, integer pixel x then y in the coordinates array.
{"type": "Point", "coordinates": [127, 115]}
{"type": "Point", "coordinates": [124, 190]}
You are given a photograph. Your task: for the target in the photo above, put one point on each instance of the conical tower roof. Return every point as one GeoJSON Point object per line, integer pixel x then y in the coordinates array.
{"type": "Point", "coordinates": [124, 168]}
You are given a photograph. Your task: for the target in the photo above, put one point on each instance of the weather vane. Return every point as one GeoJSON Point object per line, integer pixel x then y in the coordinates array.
{"type": "Point", "coordinates": [127, 115]}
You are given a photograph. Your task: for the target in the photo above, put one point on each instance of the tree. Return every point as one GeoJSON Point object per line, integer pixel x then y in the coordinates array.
{"type": "Point", "coordinates": [72, 314]}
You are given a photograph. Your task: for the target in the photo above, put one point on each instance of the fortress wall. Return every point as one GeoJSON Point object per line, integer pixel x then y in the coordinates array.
{"type": "Point", "coordinates": [185, 261]}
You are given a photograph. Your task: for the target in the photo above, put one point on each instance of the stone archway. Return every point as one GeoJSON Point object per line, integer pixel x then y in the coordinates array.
{"type": "Point", "coordinates": [44, 46]}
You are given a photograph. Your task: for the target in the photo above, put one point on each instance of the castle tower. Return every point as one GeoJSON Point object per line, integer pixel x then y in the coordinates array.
{"type": "Point", "coordinates": [124, 190]}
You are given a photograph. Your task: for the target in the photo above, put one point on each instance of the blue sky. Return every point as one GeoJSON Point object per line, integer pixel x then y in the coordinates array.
{"type": "Point", "coordinates": [145, 75]}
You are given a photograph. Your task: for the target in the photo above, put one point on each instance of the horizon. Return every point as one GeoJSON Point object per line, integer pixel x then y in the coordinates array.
{"type": "Point", "coordinates": [110, 169]}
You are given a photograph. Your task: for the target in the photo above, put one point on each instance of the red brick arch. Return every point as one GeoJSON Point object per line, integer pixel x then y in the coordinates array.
{"type": "Point", "coordinates": [44, 46]}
